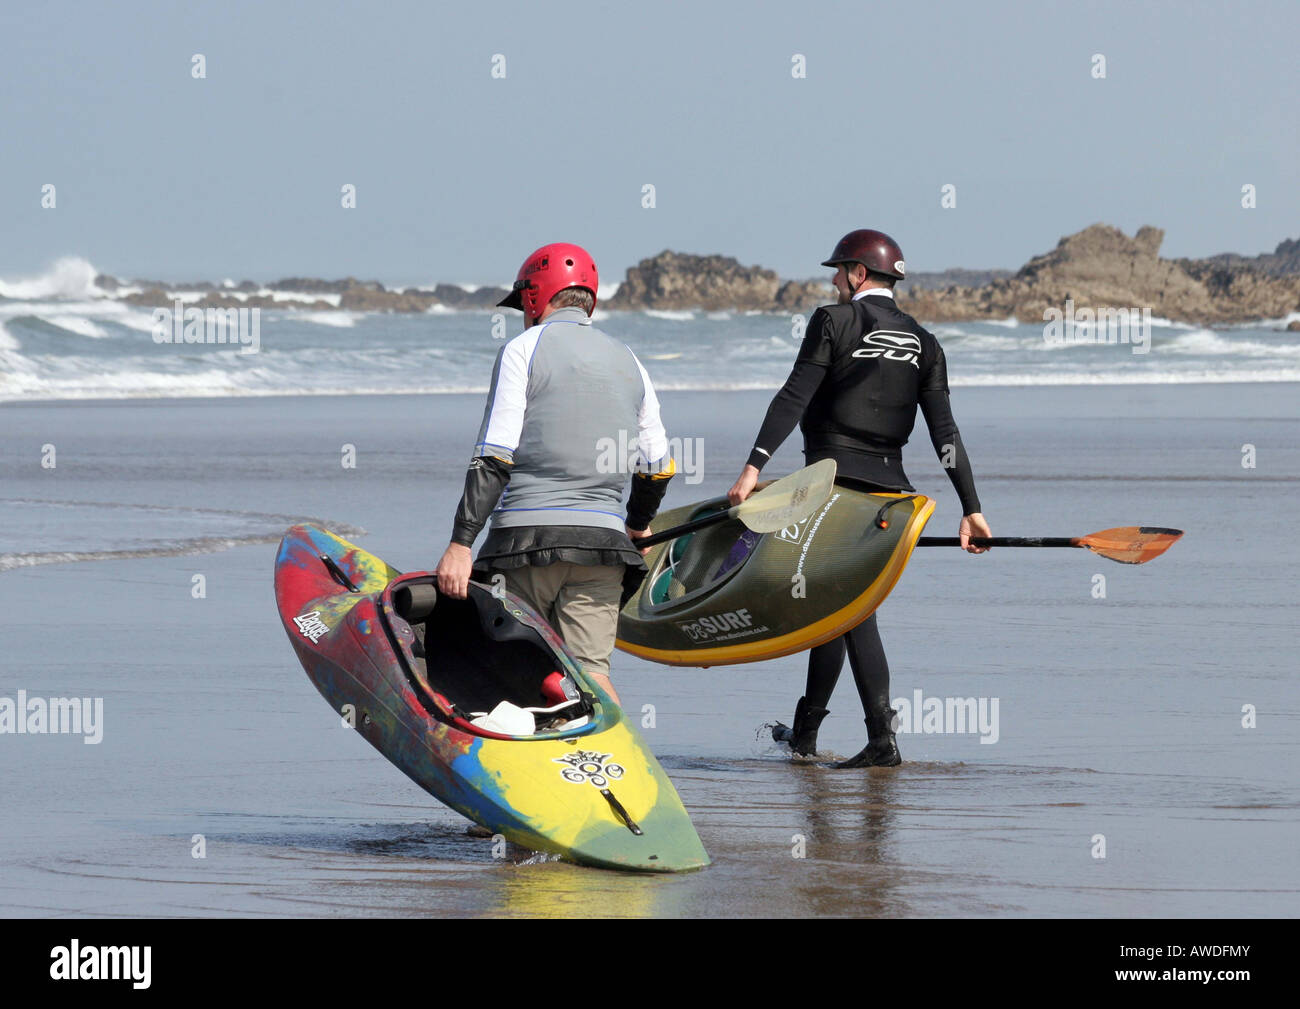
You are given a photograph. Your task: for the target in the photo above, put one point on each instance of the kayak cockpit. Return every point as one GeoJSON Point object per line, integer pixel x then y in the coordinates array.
{"type": "Point", "coordinates": [690, 567]}
{"type": "Point", "coordinates": [474, 664]}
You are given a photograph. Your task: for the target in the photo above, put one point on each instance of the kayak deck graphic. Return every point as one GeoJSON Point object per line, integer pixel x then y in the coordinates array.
{"type": "Point", "coordinates": [727, 594]}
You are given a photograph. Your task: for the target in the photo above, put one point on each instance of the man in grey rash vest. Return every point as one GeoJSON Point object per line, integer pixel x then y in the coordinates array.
{"type": "Point", "coordinates": [863, 369]}
{"type": "Point", "coordinates": [561, 393]}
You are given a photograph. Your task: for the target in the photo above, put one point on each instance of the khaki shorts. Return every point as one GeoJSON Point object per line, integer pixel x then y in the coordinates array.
{"type": "Point", "coordinates": [579, 601]}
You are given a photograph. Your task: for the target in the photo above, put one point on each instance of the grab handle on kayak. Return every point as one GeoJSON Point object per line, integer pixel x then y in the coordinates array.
{"type": "Point", "coordinates": [337, 573]}
{"type": "Point", "coordinates": [880, 522]}
{"type": "Point", "coordinates": [617, 807]}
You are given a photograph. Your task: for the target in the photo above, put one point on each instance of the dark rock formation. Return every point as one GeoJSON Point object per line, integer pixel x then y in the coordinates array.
{"type": "Point", "coordinates": [313, 285]}
{"type": "Point", "coordinates": [672, 280]}
{"type": "Point", "coordinates": [259, 301]}
{"type": "Point", "coordinates": [803, 295]}
{"type": "Point", "coordinates": [1101, 267]}
{"type": "Point", "coordinates": [950, 278]}
{"type": "Point", "coordinates": [454, 296]}
{"type": "Point", "coordinates": [363, 299]}
{"type": "Point", "coordinates": [1283, 260]}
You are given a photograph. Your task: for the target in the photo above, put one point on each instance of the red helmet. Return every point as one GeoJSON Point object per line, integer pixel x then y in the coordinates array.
{"type": "Point", "coordinates": [873, 249]}
{"type": "Point", "coordinates": [549, 270]}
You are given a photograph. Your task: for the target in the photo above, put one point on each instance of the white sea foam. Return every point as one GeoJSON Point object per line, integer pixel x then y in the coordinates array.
{"type": "Point", "coordinates": [7, 340]}
{"type": "Point", "coordinates": [307, 296]}
{"type": "Point", "coordinates": [1208, 343]}
{"type": "Point", "coordinates": [341, 320]}
{"type": "Point", "coordinates": [606, 291]}
{"type": "Point", "coordinates": [69, 277]}
{"type": "Point", "coordinates": [1281, 323]}
{"type": "Point", "coordinates": [670, 314]}
{"type": "Point", "coordinates": [1192, 376]}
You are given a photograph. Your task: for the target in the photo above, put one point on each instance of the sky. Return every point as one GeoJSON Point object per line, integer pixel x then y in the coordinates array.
{"type": "Point", "coordinates": [459, 173]}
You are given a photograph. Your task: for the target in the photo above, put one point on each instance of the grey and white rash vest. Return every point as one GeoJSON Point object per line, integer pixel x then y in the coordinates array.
{"type": "Point", "coordinates": [571, 412]}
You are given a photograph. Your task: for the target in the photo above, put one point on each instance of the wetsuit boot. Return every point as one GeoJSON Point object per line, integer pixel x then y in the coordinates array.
{"type": "Point", "coordinates": [881, 749]}
{"type": "Point", "coordinates": [802, 736]}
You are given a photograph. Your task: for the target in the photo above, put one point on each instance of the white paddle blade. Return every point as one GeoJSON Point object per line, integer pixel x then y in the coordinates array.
{"type": "Point", "coordinates": [789, 500]}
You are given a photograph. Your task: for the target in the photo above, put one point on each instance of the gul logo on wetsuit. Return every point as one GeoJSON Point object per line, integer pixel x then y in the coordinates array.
{"type": "Point", "coordinates": [891, 345]}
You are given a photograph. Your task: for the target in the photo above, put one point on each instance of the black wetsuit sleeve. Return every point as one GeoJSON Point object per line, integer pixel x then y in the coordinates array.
{"type": "Point", "coordinates": [788, 405]}
{"type": "Point", "coordinates": [945, 437]}
{"type": "Point", "coordinates": [643, 502]}
{"type": "Point", "coordinates": [484, 481]}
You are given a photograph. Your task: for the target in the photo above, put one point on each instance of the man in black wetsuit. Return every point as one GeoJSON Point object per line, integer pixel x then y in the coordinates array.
{"type": "Point", "coordinates": [863, 369]}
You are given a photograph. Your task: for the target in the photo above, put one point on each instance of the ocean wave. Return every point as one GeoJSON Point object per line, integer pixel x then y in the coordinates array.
{"type": "Point", "coordinates": [307, 296]}
{"type": "Point", "coordinates": [69, 277]}
{"type": "Point", "coordinates": [273, 524]}
{"type": "Point", "coordinates": [340, 320]}
{"type": "Point", "coordinates": [1188, 377]}
{"type": "Point", "coordinates": [149, 386]}
{"type": "Point", "coordinates": [78, 325]}
{"type": "Point", "coordinates": [1208, 343]}
{"type": "Point", "coordinates": [960, 339]}
{"type": "Point", "coordinates": [672, 315]}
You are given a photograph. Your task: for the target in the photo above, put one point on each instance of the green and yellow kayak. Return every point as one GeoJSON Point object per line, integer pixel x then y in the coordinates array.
{"type": "Point", "coordinates": [726, 594]}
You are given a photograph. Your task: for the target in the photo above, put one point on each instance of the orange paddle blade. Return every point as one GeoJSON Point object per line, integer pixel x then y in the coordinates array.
{"type": "Point", "coordinates": [1131, 544]}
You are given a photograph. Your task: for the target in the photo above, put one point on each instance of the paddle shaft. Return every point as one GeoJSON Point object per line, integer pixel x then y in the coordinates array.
{"type": "Point", "coordinates": [1000, 541]}
{"type": "Point", "coordinates": [688, 527]}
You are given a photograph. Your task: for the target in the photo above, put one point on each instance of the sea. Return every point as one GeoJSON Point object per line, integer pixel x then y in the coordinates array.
{"type": "Point", "coordinates": [1137, 752]}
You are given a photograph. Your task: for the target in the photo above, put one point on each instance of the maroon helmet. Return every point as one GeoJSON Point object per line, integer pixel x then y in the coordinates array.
{"type": "Point", "coordinates": [873, 249]}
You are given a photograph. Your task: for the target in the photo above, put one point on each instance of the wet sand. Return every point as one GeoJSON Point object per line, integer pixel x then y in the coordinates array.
{"type": "Point", "coordinates": [1119, 716]}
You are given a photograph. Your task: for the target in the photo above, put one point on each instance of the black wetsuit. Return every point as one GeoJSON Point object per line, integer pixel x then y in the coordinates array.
{"type": "Point", "coordinates": [861, 373]}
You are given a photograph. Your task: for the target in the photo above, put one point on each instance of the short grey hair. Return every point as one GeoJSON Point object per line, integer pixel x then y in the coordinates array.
{"type": "Point", "coordinates": [574, 297]}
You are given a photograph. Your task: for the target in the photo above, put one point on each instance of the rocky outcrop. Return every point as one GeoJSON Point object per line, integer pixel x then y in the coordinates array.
{"type": "Point", "coordinates": [313, 285]}
{"type": "Point", "coordinates": [803, 295]}
{"type": "Point", "coordinates": [258, 301]}
{"type": "Point", "coordinates": [363, 299]}
{"type": "Point", "coordinates": [156, 297]}
{"type": "Point", "coordinates": [1101, 267]}
{"type": "Point", "coordinates": [1283, 260]}
{"type": "Point", "coordinates": [950, 278]}
{"type": "Point", "coordinates": [457, 297]}
{"type": "Point", "coordinates": [673, 280]}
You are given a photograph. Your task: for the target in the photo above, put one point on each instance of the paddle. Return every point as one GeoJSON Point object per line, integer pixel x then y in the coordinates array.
{"type": "Point", "coordinates": [781, 503]}
{"type": "Point", "coordinates": [1126, 544]}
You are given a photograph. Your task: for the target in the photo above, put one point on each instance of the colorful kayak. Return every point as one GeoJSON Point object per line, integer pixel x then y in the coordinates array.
{"type": "Point", "coordinates": [479, 702]}
{"type": "Point", "coordinates": [726, 594]}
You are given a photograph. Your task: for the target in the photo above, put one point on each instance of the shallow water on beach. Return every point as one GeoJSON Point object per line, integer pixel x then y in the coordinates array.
{"type": "Point", "coordinates": [1118, 717]}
